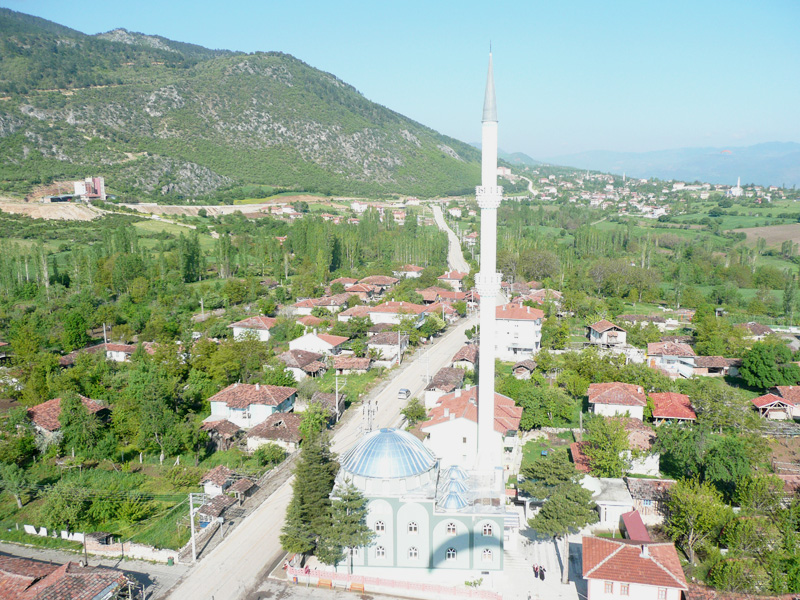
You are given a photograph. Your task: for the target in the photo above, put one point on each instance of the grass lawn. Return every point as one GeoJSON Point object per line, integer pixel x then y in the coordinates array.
{"type": "Point", "coordinates": [533, 449]}
{"type": "Point", "coordinates": [355, 386]}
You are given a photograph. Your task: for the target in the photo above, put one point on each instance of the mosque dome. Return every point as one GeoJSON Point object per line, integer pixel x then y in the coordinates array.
{"type": "Point", "coordinates": [388, 454]}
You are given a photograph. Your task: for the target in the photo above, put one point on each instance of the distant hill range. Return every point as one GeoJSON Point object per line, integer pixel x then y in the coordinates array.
{"type": "Point", "coordinates": [773, 163]}
{"type": "Point", "coordinates": [171, 121]}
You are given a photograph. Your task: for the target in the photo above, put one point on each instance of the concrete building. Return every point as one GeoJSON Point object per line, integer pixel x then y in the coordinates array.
{"type": "Point", "coordinates": [321, 343]}
{"type": "Point", "coordinates": [518, 332]}
{"type": "Point", "coordinates": [612, 399]}
{"type": "Point", "coordinates": [676, 360]}
{"type": "Point", "coordinates": [248, 405]}
{"type": "Point", "coordinates": [605, 333]}
{"type": "Point", "coordinates": [258, 326]}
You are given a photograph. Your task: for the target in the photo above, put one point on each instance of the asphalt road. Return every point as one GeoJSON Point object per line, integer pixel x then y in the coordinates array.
{"type": "Point", "coordinates": [241, 561]}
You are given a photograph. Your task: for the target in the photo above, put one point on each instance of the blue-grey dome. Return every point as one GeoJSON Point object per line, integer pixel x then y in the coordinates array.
{"type": "Point", "coordinates": [456, 472]}
{"type": "Point", "coordinates": [454, 485]}
{"type": "Point", "coordinates": [388, 454]}
{"type": "Point", "coordinates": [453, 501]}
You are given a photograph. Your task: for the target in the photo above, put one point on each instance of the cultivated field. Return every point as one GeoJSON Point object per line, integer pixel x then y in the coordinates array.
{"type": "Point", "coordinates": [774, 234]}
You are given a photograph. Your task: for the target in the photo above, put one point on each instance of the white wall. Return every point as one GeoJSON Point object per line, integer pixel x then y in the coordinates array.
{"type": "Point", "coordinates": [612, 410]}
{"type": "Point", "coordinates": [250, 416]}
{"type": "Point", "coordinates": [240, 332]}
{"type": "Point", "coordinates": [527, 335]}
{"type": "Point", "coordinates": [446, 441]}
{"type": "Point", "coordinates": [311, 343]}
{"type": "Point", "coordinates": [637, 591]}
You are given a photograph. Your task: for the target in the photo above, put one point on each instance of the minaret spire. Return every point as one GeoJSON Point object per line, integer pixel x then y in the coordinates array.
{"type": "Point", "coordinates": [487, 281]}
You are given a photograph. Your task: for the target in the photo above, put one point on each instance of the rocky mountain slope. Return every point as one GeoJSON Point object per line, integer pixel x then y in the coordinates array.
{"type": "Point", "coordinates": [166, 120]}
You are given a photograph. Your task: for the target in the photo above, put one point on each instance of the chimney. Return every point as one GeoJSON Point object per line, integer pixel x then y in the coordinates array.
{"type": "Point", "coordinates": [529, 309]}
{"type": "Point", "coordinates": [452, 416]}
{"type": "Point", "coordinates": [645, 551]}
{"type": "Point", "coordinates": [446, 412]}
{"type": "Point", "coordinates": [469, 386]}
{"type": "Point", "coordinates": [258, 386]}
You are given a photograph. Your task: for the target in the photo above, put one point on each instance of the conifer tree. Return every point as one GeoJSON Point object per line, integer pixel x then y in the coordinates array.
{"type": "Point", "coordinates": [347, 528]}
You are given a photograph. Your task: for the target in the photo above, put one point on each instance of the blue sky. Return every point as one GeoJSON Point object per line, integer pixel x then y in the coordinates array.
{"type": "Point", "coordinates": [571, 76]}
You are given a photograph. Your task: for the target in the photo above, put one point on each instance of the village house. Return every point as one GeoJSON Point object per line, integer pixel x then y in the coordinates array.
{"type": "Point", "coordinates": [388, 346]}
{"type": "Point", "coordinates": [28, 579]}
{"type": "Point", "coordinates": [524, 369]}
{"type": "Point", "coordinates": [46, 416]}
{"type": "Point", "coordinates": [455, 279]}
{"type": "Point", "coordinates": [321, 343]}
{"type": "Point", "coordinates": [394, 312]}
{"type": "Point", "coordinates": [222, 433]}
{"type": "Point", "coordinates": [310, 322]}
{"type": "Point", "coordinates": [334, 404]}
{"type": "Point", "coordinates": [613, 399]}
{"type": "Point", "coordinates": [471, 239]}
{"type": "Point", "coordinates": [466, 357]}
{"type": "Point", "coordinates": [409, 271]}
{"type": "Point", "coordinates": [649, 497]}
{"type": "Point", "coordinates": [672, 407]}
{"type": "Point", "coordinates": [258, 326]}
{"type": "Point", "coordinates": [627, 568]}
{"type": "Point", "coordinates": [302, 364]}
{"type": "Point", "coordinates": [452, 428]}
{"type": "Point", "coordinates": [442, 310]}
{"type": "Point", "coordinates": [332, 304]}
{"type": "Point", "coordinates": [360, 312]}
{"type": "Point", "coordinates": [716, 366]}
{"type": "Point", "coordinates": [217, 480]}
{"type": "Point", "coordinates": [115, 352]}
{"type": "Point", "coordinates": [247, 405]}
{"type": "Point", "coordinates": [446, 380]}
{"type": "Point", "coordinates": [675, 360]}
{"type": "Point", "coordinates": [214, 509]}
{"type": "Point", "coordinates": [363, 291]}
{"type": "Point", "coordinates": [605, 333]}
{"type": "Point", "coordinates": [351, 365]}
{"type": "Point", "coordinates": [302, 307]}
{"type": "Point", "coordinates": [755, 331]}
{"type": "Point", "coordinates": [774, 407]}
{"type": "Point", "coordinates": [381, 282]}
{"type": "Point", "coordinates": [281, 429]}
{"type": "Point", "coordinates": [346, 282]}
{"type": "Point", "coordinates": [612, 499]}
{"type": "Point", "coordinates": [519, 331]}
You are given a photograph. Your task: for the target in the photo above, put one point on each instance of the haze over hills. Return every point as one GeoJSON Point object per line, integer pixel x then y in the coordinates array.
{"type": "Point", "coordinates": [773, 163]}
{"type": "Point", "coordinates": [164, 119]}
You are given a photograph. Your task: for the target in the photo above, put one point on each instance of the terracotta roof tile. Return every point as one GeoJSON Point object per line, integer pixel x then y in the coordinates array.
{"type": "Point", "coordinates": [309, 321]}
{"type": "Point", "coordinates": [770, 399]}
{"type": "Point", "coordinates": [669, 349]}
{"type": "Point", "coordinates": [333, 340]}
{"type": "Point", "coordinates": [648, 489]}
{"type": "Point", "coordinates": [447, 379]}
{"type": "Point", "coordinates": [622, 394]}
{"type": "Point", "coordinates": [527, 364]}
{"type": "Point", "coordinates": [463, 404]}
{"type": "Point", "coordinates": [242, 395]}
{"type": "Point", "coordinates": [242, 485]}
{"type": "Point", "coordinates": [791, 393]}
{"type": "Point", "coordinates": [453, 276]}
{"type": "Point", "coordinates": [624, 561]}
{"type": "Point", "coordinates": [515, 312]}
{"type": "Point", "coordinates": [468, 353]}
{"type": "Point", "coordinates": [26, 579]}
{"type": "Point", "coordinates": [381, 280]}
{"type": "Point", "coordinates": [671, 405]}
{"type": "Point", "coordinates": [351, 363]}
{"type": "Point", "coordinates": [298, 359]}
{"type": "Point", "coordinates": [258, 323]}
{"type": "Point", "coordinates": [394, 307]}
{"type": "Point", "coordinates": [278, 426]}
{"type": "Point", "coordinates": [386, 338]}
{"type": "Point", "coordinates": [218, 475]}
{"type": "Point", "coordinates": [223, 427]}
{"type": "Point", "coordinates": [604, 325]}
{"type": "Point", "coordinates": [216, 506]}
{"type": "Point", "coordinates": [46, 415]}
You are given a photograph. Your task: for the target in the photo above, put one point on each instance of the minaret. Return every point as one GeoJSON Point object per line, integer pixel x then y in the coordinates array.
{"type": "Point", "coordinates": [487, 280]}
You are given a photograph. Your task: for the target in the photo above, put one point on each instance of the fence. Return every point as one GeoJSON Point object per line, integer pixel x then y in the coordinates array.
{"type": "Point", "coordinates": [365, 583]}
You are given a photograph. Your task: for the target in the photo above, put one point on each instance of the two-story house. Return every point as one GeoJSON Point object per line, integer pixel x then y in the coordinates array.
{"type": "Point", "coordinates": [247, 405]}
{"type": "Point", "coordinates": [518, 333]}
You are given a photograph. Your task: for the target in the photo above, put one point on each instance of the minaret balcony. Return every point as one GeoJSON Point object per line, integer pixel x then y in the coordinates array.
{"type": "Point", "coordinates": [488, 284]}
{"type": "Point", "coordinates": [489, 196]}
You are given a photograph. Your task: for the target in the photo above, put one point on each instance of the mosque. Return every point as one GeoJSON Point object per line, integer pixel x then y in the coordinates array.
{"type": "Point", "coordinates": [444, 511]}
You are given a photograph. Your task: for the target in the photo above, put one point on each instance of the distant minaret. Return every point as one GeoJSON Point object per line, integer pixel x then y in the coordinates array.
{"type": "Point", "coordinates": [487, 281]}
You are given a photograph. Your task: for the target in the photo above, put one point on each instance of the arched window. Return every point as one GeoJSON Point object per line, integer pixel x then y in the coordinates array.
{"type": "Point", "coordinates": [450, 554]}
{"type": "Point", "coordinates": [487, 555]}
{"type": "Point", "coordinates": [380, 552]}
{"type": "Point", "coordinates": [451, 528]}
{"type": "Point", "coordinates": [487, 529]}
{"type": "Point", "coordinates": [380, 526]}
{"type": "Point", "coordinates": [412, 527]}
{"type": "Point", "coordinates": [355, 552]}
{"type": "Point", "coordinates": [413, 553]}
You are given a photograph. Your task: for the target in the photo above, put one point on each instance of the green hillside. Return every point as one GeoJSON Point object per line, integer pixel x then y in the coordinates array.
{"type": "Point", "coordinates": [168, 121]}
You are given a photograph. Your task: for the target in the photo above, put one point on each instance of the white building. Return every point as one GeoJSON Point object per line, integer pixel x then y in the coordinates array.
{"type": "Point", "coordinates": [518, 331]}
{"type": "Point", "coordinates": [617, 399]}
{"type": "Point", "coordinates": [259, 326]}
{"type": "Point", "coordinates": [248, 405]}
{"type": "Point", "coordinates": [321, 343]}
{"type": "Point", "coordinates": [676, 359]}
{"type": "Point", "coordinates": [394, 312]}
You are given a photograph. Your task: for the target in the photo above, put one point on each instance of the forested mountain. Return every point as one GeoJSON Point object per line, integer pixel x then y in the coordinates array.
{"type": "Point", "coordinates": [166, 120]}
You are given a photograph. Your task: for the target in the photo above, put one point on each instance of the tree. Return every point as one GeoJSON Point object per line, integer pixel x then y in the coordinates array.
{"type": "Point", "coordinates": [414, 412]}
{"type": "Point", "coordinates": [15, 480]}
{"type": "Point", "coordinates": [75, 335]}
{"type": "Point", "coordinates": [313, 420]}
{"type": "Point", "coordinates": [80, 428]}
{"type": "Point", "coordinates": [308, 516]}
{"type": "Point", "coordinates": [607, 446]}
{"type": "Point", "coordinates": [695, 512]}
{"type": "Point", "coordinates": [567, 510]}
{"type": "Point", "coordinates": [769, 364]}
{"type": "Point", "coordinates": [682, 450]}
{"type": "Point", "coordinates": [269, 455]}
{"type": "Point", "coordinates": [555, 333]}
{"type": "Point", "coordinates": [348, 527]}
{"type": "Point", "coordinates": [544, 475]}
{"type": "Point", "coordinates": [726, 463]}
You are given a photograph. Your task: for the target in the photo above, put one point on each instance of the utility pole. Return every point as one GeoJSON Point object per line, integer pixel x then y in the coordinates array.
{"type": "Point", "coordinates": [336, 395]}
{"type": "Point", "coordinates": [191, 523]}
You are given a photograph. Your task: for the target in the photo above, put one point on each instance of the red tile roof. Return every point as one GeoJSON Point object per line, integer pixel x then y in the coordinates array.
{"type": "Point", "coordinates": [242, 485]}
{"type": "Point", "coordinates": [756, 328]}
{"type": "Point", "coordinates": [258, 323]}
{"type": "Point", "coordinates": [622, 394]}
{"type": "Point", "coordinates": [351, 363]}
{"type": "Point", "coordinates": [218, 475]}
{"type": "Point", "coordinates": [671, 405]}
{"type": "Point", "coordinates": [381, 280]}
{"type": "Point", "coordinates": [278, 426]}
{"type": "Point", "coordinates": [344, 280]}
{"type": "Point", "coordinates": [223, 427]}
{"type": "Point", "coordinates": [463, 404]}
{"type": "Point", "coordinates": [453, 276]}
{"type": "Point", "coordinates": [712, 362]}
{"type": "Point", "coordinates": [298, 359]}
{"type": "Point", "coordinates": [669, 349]}
{"type": "Point", "coordinates": [468, 353]}
{"type": "Point", "coordinates": [790, 393]}
{"type": "Point", "coordinates": [515, 312]}
{"type": "Point", "coordinates": [356, 311]}
{"type": "Point", "coordinates": [309, 320]}
{"type": "Point", "coordinates": [634, 527]}
{"type": "Point", "coordinates": [242, 395]}
{"type": "Point", "coordinates": [769, 400]}
{"type": "Point", "coordinates": [527, 364]}
{"type": "Point", "coordinates": [394, 307]}
{"type": "Point", "coordinates": [581, 461]}
{"type": "Point", "coordinates": [26, 579]}
{"type": "Point", "coordinates": [604, 325]}
{"type": "Point", "coordinates": [447, 379]}
{"type": "Point", "coordinates": [333, 340]}
{"type": "Point", "coordinates": [626, 561]}
{"type": "Point", "coordinates": [46, 415]}
{"type": "Point", "coordinates": [410, 269]}
{"type": "Point", "coordinates": [387, 338]}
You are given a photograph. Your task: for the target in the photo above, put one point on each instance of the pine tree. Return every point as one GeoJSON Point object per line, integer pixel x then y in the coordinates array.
{"type": "Point", "coordinates": [347, 528]}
